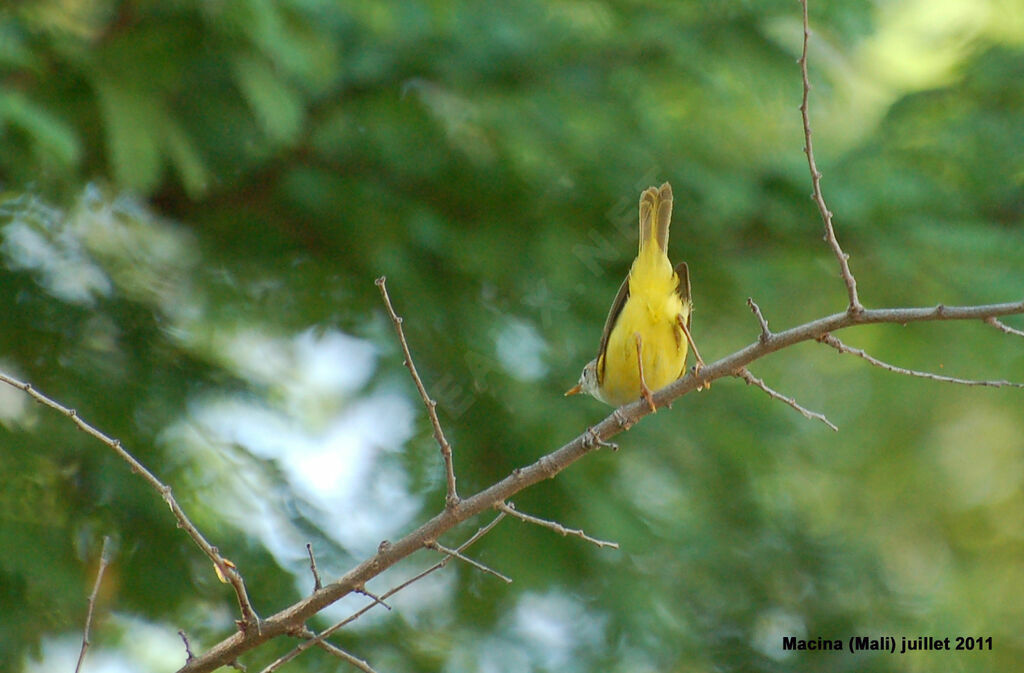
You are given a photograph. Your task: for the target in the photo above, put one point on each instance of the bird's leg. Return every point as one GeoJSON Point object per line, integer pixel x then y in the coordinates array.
{"type": "Point", "coordinates": [696, 353]}
{"type": "Point", "coordinates": [644, 390]}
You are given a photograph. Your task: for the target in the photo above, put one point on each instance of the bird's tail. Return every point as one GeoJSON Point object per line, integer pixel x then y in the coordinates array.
{"type": "Point", "coordinates": [655, 215]}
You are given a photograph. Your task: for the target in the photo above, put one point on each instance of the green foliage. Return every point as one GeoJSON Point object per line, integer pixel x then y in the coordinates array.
{"type": "Point", "coordinates": [198, 196]}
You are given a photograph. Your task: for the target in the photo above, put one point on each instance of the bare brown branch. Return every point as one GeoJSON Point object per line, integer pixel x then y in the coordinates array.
{"type": "Point", "coordinates": [361, 664]}
{"type": "Point", "coordinates": [377, 600]}
{"type": "Point", "coordinates": [765, 332]}
{"type": "Point", "coordinates": [104, 561]}
{"type": "Point", "coordinates": [745, 374]}
{"type": "Point", "coordinates": [189, 656]}
{"type": "Point", "coordinates": [225, 569]}
{"type": "Point", "coordinates": [452, 496]}
{"type": "Point", "coordinates": [510, 509]}
{"type": "Point", "coordinates": [455, 553]}
{"type": "Point", "coordinates": [317, 584]}
{"type": "Point", "coordinates": [294, 617]}
{"type": "Point", "coordinates": [551, 464]}
{"type": "Point", "coordinates": [319, 638]}
{"type": "Point", "coordinates": [819, 199]}
{"type": "Point", "coordinates": [843, 348]}
{"type": "Point", "coordinates": [330, 648]}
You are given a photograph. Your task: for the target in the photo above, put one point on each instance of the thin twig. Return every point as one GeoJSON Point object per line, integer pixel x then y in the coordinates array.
{"type": "Point", "coordinates": [843, 348]}
{"type": "Point", "coordinates": [689, 340]}
{"type": "Point", "coordinates": [765, 332]}
{"type": "Point", "coordinates": [826, 214]}
{"type": "Point", "coordinates": [745, 374]}
{"type": "Point", "coordinates": [699, 364]}
{"type": "Point", "coordinates": [376, 599]}
{"type": "Point", "coordinates": [452, 496]}
{"type": "Point", "coordinates": [317, 586]}
{"type": "Point", "coordinates": [188, 648]}
{"type": "Point", "coordinates": [225, 568]}
{"type": "Point", "coordinates": [104, 561]}
{"type": "Point", "coordinates": [361, 664]}
{"type": "Point", "coordinates": [1003, 327]}
{"type": "Point", "coordinates": [336, 651]}
{"type": "Point", "coordinates": [319, 638]}
{"type": "Point", "coordinates": [437, 546]}
{"type": "Point", "coordinates": [509, 508]}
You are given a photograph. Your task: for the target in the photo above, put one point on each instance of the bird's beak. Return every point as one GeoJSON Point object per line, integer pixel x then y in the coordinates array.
{"type": "Point", "coordinates": [575, 390]}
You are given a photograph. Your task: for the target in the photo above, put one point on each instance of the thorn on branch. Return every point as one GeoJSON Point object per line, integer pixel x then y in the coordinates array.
{"type": "Point", "coordinates": [745, 374]}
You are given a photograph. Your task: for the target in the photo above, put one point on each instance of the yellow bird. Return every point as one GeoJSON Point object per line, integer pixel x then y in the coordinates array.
{"type": "Point", "coordinates": [645, 337]}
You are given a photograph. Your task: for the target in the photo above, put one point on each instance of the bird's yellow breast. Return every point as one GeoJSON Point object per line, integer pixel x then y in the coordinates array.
{"type": "Point", "coordinates": [651, 311]}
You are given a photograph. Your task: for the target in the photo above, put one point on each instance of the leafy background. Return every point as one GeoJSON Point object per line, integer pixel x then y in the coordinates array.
{"type": "Point", "coordinates": [198, 195]}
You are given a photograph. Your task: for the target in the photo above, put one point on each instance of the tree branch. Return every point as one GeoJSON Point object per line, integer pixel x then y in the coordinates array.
{"type": "Point", "coordinates": [189, 656]}
{"type": "Point", "coordinates": [1004, 328]}
{"type": "Point", "coordinates": [317, 584]}
{"type": "Point", "coordinates": [293, 618]}
{"type": "Point", "coordinates": [391, 592]}
{"type": "Point", "coordinates": [225, 569]}
{"type": "Point", "coordinates": [452, 496]}
{"type": "Point", "coordinates": [819, 199]}
{"type": "Point", "coordinates": [104, 561]}
{"type": "Point", "coordinates": [546, 467]}
{"type": "Point", "coordinates": [334, 650]}
{"type": "Point", "coordinates": [455, 553]}
{"type": "Point", "coordinates": [510, 509]}
{"type": "Point", "coordinates": [843, 348]}
{"type": "Point", "coordinates": [765, 332]}
{"type": "Point", "coordinates": [745, 374]}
